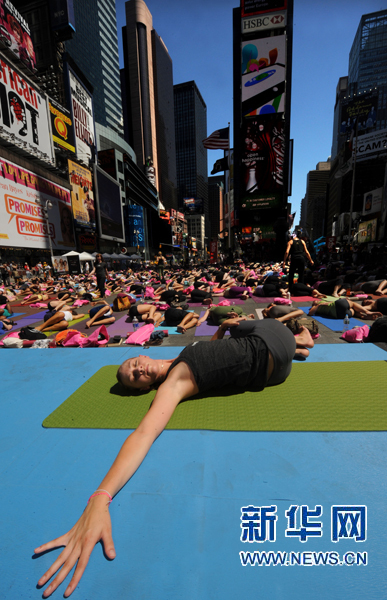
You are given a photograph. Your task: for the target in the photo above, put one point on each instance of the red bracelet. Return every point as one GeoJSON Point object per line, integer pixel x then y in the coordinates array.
{"type": "Point", "coordinates": [101, 493]}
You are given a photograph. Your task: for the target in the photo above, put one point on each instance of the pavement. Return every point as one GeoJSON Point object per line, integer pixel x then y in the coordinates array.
{"type": "Point", "coordinates": [178, 526]}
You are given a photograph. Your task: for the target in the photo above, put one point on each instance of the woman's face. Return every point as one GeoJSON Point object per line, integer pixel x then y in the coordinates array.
{"type": "Point", "coordinates": [140, 372]}
{"type": "Point", "coordinates": [66, 219]}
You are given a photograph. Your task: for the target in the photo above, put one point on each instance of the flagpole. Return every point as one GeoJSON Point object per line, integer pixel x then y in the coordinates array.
{"type": "Point", "coordinates": [353, 187]}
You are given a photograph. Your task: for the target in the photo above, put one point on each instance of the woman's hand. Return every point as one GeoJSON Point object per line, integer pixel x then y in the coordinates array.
{"type": "Point", "coordinates": [93, 526]}
{"type": "Point", "coordinates": [232, 322]}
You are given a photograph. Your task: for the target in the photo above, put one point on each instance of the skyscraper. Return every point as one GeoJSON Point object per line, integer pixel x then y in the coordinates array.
{"type": "Point", "coordinates": [191, 156]}
{"type": "Point", "coordinates": [367, 67]}
{"type": "Point", "coordinates": [148, 88]}
{"type": "Point", "coordinates": [366, 82]}
{"type": "Point", "coordinates": [95, 50]}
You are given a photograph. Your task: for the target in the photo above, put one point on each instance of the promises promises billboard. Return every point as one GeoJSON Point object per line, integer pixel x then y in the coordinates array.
{"type": "Point", "coordinates": [23, 197]}
{"type": "Point", "coordinates": [263, 75]}
{"type": "Point", "coordinates": [24, 113]}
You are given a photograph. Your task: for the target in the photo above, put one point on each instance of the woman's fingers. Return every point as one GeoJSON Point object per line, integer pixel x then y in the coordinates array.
{"type": "Point", "coordinates": [60, 541]}
{"type": "Point", "coordinates": [108, 544]}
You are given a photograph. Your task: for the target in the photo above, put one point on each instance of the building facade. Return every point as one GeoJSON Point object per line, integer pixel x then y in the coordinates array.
{"type": "Point", "coordinates": [316, 200]}
{"type": "Point", "coordinates": [367, 68]}
{"type": "Point", "coordinates": [147, 80]}
{"type": "Point", "coordinates": [94, 48]}
{"type": "Point", "coordinates": [191, 156]}
{"type": "Point", "coordinates": [362, 93]}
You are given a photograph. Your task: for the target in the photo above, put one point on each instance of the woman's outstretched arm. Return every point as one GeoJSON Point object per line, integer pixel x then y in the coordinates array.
{"type": "Point", "coordinates": [95, 524]}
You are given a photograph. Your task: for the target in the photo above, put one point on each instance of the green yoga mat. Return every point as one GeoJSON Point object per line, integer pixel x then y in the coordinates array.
{"type": "Point", "coordinates": [71, 324]}
{"type": "Point", "coordinates": [315, 397]}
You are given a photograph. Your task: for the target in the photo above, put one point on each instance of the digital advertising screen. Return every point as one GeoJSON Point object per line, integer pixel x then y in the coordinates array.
{"type": "Point", "coordinates": [262, 157]}
{"type": "Point", "coordinates": [134, 220]}
{"type": "Point", "coordinates": [263, 76]}
{"type": "Point", "coordinates": [256, 7]}
{"type": "Point", "coordinates": [108, 196]}
{"type": "Point", "coordinates": [193, 206]}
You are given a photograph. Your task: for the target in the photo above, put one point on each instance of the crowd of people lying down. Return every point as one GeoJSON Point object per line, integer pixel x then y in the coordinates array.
{"type": "Point", "coordinates": [166, 295]}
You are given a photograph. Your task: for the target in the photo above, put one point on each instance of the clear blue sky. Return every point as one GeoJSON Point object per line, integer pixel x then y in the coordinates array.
{"type": "Point", "coordinates": [198, 35]}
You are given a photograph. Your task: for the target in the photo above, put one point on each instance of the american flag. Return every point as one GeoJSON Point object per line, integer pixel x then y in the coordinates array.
{"type": "Point", "coordinates": [218, 140]}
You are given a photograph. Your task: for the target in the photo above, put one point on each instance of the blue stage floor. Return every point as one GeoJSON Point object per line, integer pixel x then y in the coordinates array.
{"type": "Point", "coordinates": [176, 525]}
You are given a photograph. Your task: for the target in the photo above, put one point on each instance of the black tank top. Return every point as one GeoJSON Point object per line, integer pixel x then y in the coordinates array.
{"type": "Point", "coordinates": [297, 249]}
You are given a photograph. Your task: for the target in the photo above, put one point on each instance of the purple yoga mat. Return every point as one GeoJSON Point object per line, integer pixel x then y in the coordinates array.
{"type": "Point", "coordinates": [206, 329]}
{"type": "Point", "coordinates": [30, 320]}
{"type": "Point", "coordinates": [120, 327]}
{"type": "Point", "coordinates": [218, 299]}
{"type": "Point", "coordinates": [262, 299]}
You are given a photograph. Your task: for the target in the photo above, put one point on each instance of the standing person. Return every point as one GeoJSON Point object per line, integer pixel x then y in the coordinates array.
{"type": "Point", "coordinates": [101, 272]}
{"type": "Point", "coordinates": [161, 262]}
{"type": "Point", "coordinates": [5, 273]}
{"type": "Point", "coordinates": [298, 251]}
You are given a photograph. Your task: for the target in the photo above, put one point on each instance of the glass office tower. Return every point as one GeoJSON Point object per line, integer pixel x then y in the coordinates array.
{"type": "Point", "coordinates": [191, 156]}
{"type": "Point", "coordinates": [95, 50]}
{"type": "Point", "coordinates": [368, 61]}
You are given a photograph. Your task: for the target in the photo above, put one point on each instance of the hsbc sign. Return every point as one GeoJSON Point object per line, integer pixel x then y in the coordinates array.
{"type": "Point", "coordinates": [264, 22]}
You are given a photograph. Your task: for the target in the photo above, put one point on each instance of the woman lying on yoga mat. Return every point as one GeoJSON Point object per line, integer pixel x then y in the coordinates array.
{"type": "Point", "coordinates": [258, 354]}
{"type": "Point", "coordinates": [340, 308]}
{"type": "Point", "coordinates": [182, 319]}
{"type": "Point", "coordinates": [58, 317]}
{"type": "Point", "coordinates": [146, 313]}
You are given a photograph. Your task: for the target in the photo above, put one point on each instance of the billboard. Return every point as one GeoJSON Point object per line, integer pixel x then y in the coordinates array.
{"type": "Point", "coordinates": [193, 206]}
{"type": "Point", "coordinates": [262, 154]}
{"type": "Point", "coordinates": [15, 35]}
{"type": "Point", "coordinates": [87, 242]}
{"type": "Point", "coordinates": [108, 197]}
{"type": "Point", "coordinates": [23, 196]}
{"type": "Point", "coordinates": [373, 201]}
{"type": "Point", "coordinates": [24, 117]}
{"type": "Point", "coordinates": [255, 7]}
{"type": "Point", "coordinates": [107, 161]}
{"type": "Point", "coordinates": [62, 15]}
{"type": "Point", "coordinates": [61, 126]}
{"type": "Point", "coordinates": [134, 220]}
{"type": "Point", "coordinates": [363, 108]}
{"type": "Point", "coordinates": [82, 195]}
{"type": "Point", "coordinates": [368, 231]}
{"type": "Point", "coordinates": [264, 23]}
{"type": "Point", "coordinates": [60, 264]}
{"type": "Point", "coordinates": [370, 143]}
{"type": "Point", "coordinates": [263, 75]}
{"type": "Point", "coordinates": [83, 117]}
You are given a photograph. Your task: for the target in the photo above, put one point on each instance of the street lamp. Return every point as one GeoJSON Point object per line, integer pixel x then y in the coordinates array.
{"type": "Point", "coordinates": [47, 204]}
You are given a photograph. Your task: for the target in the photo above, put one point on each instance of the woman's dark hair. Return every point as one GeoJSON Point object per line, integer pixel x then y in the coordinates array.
{"type": "Point", "coordinates": [65, 210]}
